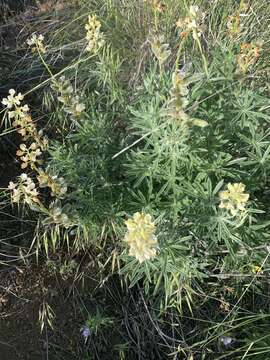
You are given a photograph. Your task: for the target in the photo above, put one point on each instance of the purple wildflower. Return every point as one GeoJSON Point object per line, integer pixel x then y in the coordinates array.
{"type": "Point", "coordinates": [226, 340]}
{"type": "Point", "coordinates": [85, 331]}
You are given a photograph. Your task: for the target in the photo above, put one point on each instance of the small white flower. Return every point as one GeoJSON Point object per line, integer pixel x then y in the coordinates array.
{"type": "Point", "coordinates": [25, 108]}
{"type": "Point", "coordinates": [226, 340]}
{"type": "Point", "coordinates": [80, 107]}
{"type": "Point", "coordinates": [193, 10]}
{"type": "Point", "coordinates": [24, 190]}
{"type": "Point", "coordinates": [11, 185]}
{"type": "Point", "coordinates": [36, 42]}
{"type": "Point", "coordinates": [12, 100]}
{"type": "Point", "coordinates": [24, 177]}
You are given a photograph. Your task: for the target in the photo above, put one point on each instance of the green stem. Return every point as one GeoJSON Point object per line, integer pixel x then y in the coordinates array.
{"type": "Point", "coordinates": [205, 65]}
{"type": "Point", "coordinates": [156, 20]}
{"type": "Point", "coordinates": [44, 62]}
{"type": "Point", "coordinates": [178, 55]}
{"type": "Point", "coordinates": [59, 73]}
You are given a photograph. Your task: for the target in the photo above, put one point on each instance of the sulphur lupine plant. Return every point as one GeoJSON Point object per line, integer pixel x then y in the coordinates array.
{"type": "Point", "coordinates": [25, 190]}
{"type": "Point", "coordinates": [175, 170]}
{"type": "Point", "coordinates": [187, 142]}
{"type": "Point", "coordinates": [158, 132]}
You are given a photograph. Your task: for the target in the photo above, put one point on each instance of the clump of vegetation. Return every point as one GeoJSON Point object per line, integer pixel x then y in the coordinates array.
{"type": "Point", "coordinates": [148, 168]}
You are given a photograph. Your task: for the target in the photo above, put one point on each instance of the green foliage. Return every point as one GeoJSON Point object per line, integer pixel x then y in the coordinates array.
{"type": "Point", "coordinates": [98, 321]}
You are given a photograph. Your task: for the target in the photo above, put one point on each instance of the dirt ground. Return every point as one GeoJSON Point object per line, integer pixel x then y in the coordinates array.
{"type": "Point", "coordinates": [19, 305]}
{"type": "Point", "coordinates": [22, 292]}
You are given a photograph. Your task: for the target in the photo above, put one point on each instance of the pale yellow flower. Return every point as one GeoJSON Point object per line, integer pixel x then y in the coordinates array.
{"type": "Point", "coordinates": [157, 5]}
{"type": "Point", "coordinates": [57, 185]}
{"type": "Point", "coordinates": [233, 199]}
{"type": "Point", "coordinates": [234, 24]}
{"type": "Point", "coordinates": [94, 37]}
{"type": "Point", "coordinates": [192, 22]}
{"type": "Point", "coordinates": [29, 155]}
{"type": "Point", "coordinates": [256, 269]}
{"type": "Point", "coordinates": [57, 216]}
{"type": "Point", "coordinates": [179, 101]}
{"type": "Point", "coordinates": [160, 49]}
{"type": "Point", "coordinates": [194, 11]}
{"type": "Point", "coordinates": [19, 112]}
{"type": "Point", "coordinates": [249, 54]}
{"type": "Point", "coordinates": [140, 237]}
{"type": "Point", "coordinates": [22, 121]}
{"type": "Point", "coordinates": [12, 99]}
{"type": "Point", "coordinates": [71, 102]}
{"type": "Point", "coordinates": [36, 43]}
{"type": "Point", "coordinates": [24, 190]}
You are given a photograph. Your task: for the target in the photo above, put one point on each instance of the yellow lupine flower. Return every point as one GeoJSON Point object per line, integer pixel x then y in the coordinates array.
{"type": "Point", "coordinates": [140, 237]}
{"type": "Point", "coordinates": [233, 199]}
{"type": "Point", "coordinates": [12, 100]}
{"type": "Point", "coordinates": [94, 36]}
{"type": "Point", "coordinates": [160, 49]}
{"type": "Point", "coordinates": [36, 43]}
{"type": "Point", "coordinates": [179, 101]}
{"type": "Point", "coordinates": [256, 269]}
{"type": "Point", "coordinates": [29, 155]}
{"type": "Point", "coordinates": [67, 97]}
{"type": "Point", "coordinates": [191, 22]}
{"type": "Point", "coordinates": [249, 54]}
{"type": "Point", "coordinates": [24, 190]}
{"type": "Point", "coordinates": [234, 24]}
